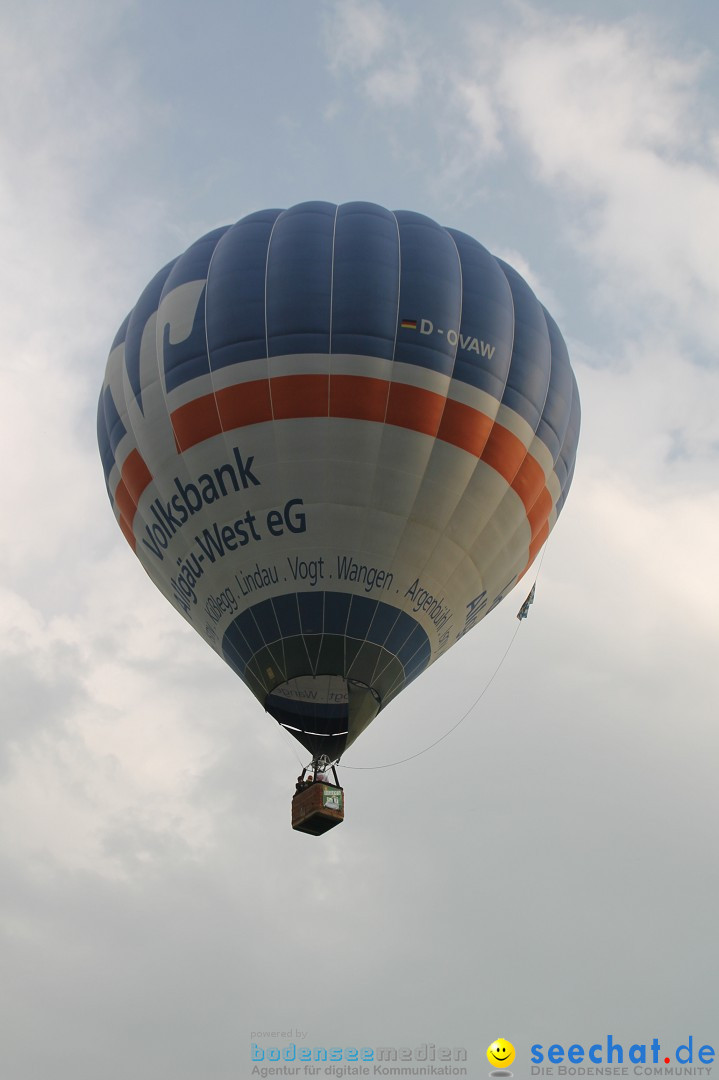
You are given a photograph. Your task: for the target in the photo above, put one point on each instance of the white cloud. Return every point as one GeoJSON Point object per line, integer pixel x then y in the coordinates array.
{"type": "Point", "coordinates": [380, 47]}
{"type": "Point", "coordinates": [611, 117]}
{"type": "Point", "coordinates": [358, 34]}
{"type": "Point", "coordinates": [476, 102]}
{"type": "Point", "coordinates": [395, 85]}
{"type": "Point", "coordinates": [608, 119]}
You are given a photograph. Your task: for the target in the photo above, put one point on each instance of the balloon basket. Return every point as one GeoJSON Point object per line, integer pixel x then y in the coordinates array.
{"type": "Point", "coordinates": [317, 808]}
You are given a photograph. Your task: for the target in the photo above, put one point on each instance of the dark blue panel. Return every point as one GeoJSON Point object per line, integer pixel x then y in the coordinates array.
{"type": "Point", "coordinates": [144, 309]}
{"type": "Point", "coordinates": [299, 280]}
{"type": "Point", "coordinates": [564, 467]}
{"type": "Point", "coordinates": [311, 612]}
{"type": "Point", "coordinates": [365, 290]}
{"type": "Point", "coordinates": [416, 641]}
{"type": "Point", "coordinates": [410, 676]}
{"type": "Point", "coordinates": [361, 612]}
{"type": "Point", "coordinates": [288, 615]}
{"type": "Point", "coordinates": [236, 291]}
{"type": "Point", "coordinates": [382, 624]}
{"type": "Point", "coordinates": [192, 265]}
{"type": "Point", "coordinates": [430, 289]}
{"type": "Point", "coordinates": [267, 621]}
{"type": "Point", "coordinates": [235, 649]}
{"type": "Point", "coordinates": [113, 424]}
{"type": "Point", "coordinates": [298, 713]}
{"type": "Point", "coordinates": [528, 378]}
{"type": "Point", "coordinates": [249, 630]}
{"type": "Point", "coordinates": [400, 634]}
{"type": "Point", "coordinates": [187, 359]}
{"type": "Point", "coordinates": [337, 606]}
{"type": "Point", "coordinates": [416, 668]}
{"type": "Point", "coordinates": [484, 349]}
{"type": "Point", "coordinates": [103, 441]}
{"type": "Point", "coordinates": [397, 637]}
{"type": "Point", "coordinates": [557, 408]}
{"type": "Point", "coordinates": [121, 333]}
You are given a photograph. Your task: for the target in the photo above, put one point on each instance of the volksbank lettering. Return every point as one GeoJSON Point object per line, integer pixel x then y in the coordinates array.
{"type": "Point", "coordinates": [191, 497]}
{"type": "Point", "coordinates": [216, 541]}
{"type": "Point", "coordinates": [292, 1052]}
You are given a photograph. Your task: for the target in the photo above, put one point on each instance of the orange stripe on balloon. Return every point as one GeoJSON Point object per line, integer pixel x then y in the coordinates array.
{"type": "Point", "coordinates": [136, 475]}
{"type": "Point", "coordinates": [464, 427]}
{"type": "Point", "coordinates": [536, 543]}
{"type": "Point", "coordinates": [134, 478]}
{"type": "Point", "coordinates": [414, 408]}
{"type": "Point", "coordinates": [300, 396]}
{"type": "Point", "coordinates": [124, 503]}
{"type": "Point", "coordinates": [196, 421]}
{"type": "Point", "coordinates": [529, 482]}
{"type": "Point", "coordinates": [504, 452]}
{"type": "Point", "coordinates": [363, 398]}
{"type": "Point", "coordinates": [358, 397]}
{"type": "Point", "coordinates": [538, 514]}
{"type": "Point", "coordinates": [127, 532]}
{"type": "Point", "coordinates": [245, 403]}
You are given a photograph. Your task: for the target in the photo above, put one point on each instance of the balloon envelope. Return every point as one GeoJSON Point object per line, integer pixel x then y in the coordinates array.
{"type": "Point", "coordinates": [336, 437]}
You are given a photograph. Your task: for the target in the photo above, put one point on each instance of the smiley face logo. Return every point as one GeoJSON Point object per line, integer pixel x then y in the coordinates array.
{"type": "Point", "coordinates": [500, 1053]}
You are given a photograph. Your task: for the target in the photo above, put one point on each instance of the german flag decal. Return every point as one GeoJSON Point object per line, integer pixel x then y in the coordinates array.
{"type": "Point", "coordinates": [409, 324]}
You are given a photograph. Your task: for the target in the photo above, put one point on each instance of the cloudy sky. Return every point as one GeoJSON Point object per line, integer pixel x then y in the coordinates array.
{"type": "Point", "coordinates": [549, 872]}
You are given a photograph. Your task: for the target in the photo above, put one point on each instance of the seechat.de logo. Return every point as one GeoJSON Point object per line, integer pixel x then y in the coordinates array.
{"type": "Point", "coordinates": [647, 1059]}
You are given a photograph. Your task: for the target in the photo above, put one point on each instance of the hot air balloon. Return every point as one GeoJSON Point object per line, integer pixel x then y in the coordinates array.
{"type": "Point", "coordinates": [336, 437]}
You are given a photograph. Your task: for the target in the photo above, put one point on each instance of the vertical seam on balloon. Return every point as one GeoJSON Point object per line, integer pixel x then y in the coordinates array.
{"type": "Point", "coordinates": [364, 640]}
{"type": "Point", "coordinates": [322, 635]}
{"type": "Point", "coordinates": [282, 639]}
{"type": "Point", "coordinates": [444, 406]}
{"type": "Point", "coordinates": [131, 431]}
{"type": "Point", "coordinates": [402, 679]}
{"type": "Point", "coordinates": [299, 622]}
{"type": "Point", "coordinates": [467, 550]}
{"type": "Point", "coordinates": [377, 671]}
{"type": "Point", "coordinates": [399, 295]}
{"type": "Point", "coordinates": [271, 647]}
{"type": "Point", "coordinates": [528, 453]}
{"type": "Point", "coordinates": [267, 335]}
{"type": "Point", "coordinates": [391, 372]}
{"type": "Point", "coordinates": [265, 645]}
{"type": "Point", "coordinates": [344, 644]}
{"type": "Point", "coordinates": [207, 337]}
{"type": "Point", "coordinates": [367, 631]}
{"type": "Point", "coordinates": [232, 648]}
{"type": "Point", "coordinates": [332, 285]}
{"type": "Point", "coordinates": [160, 357]}
{"type": "Point", "coordinates": [328, 464]}
{"type": "Point", "coordinates": [116, 492]}
{"type": "Point", "coordinates": [395, 655]}
{"type": "Point", "coordinates": [223, 431]}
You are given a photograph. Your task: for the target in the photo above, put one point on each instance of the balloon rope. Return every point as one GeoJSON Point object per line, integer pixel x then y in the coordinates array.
{"type": "Point", "coordinates": [472, 707]}
{"type": "Point", "coordinates": [454, 727]}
